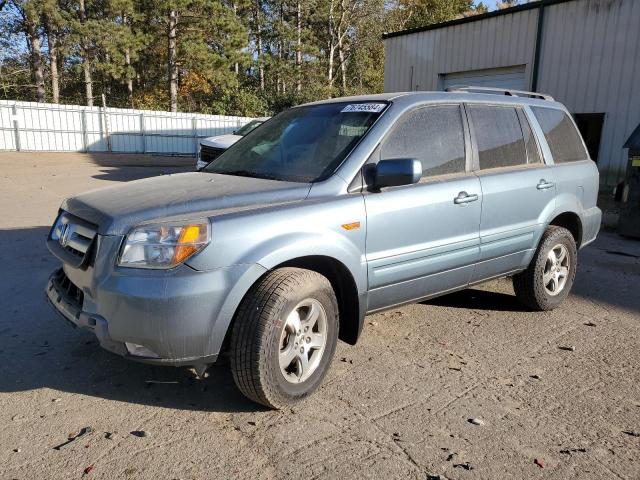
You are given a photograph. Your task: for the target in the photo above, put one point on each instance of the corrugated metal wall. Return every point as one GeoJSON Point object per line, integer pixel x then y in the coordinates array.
{"type": "Point", "coordinates": [502, 41]}
{"type": "Point", "coordinates": [590, 61]}
{"type": "Point", "coordinates": [71, 128]}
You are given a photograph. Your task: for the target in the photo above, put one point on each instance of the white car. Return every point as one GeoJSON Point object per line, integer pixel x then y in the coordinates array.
{"type": "Point", "coordinates": [212, 147]}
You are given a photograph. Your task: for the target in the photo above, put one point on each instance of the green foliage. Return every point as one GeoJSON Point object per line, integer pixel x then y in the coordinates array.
{"type": "Point", "coordinates": [232, 57]}
{"type": "Point", "coordinates": [417, 13]}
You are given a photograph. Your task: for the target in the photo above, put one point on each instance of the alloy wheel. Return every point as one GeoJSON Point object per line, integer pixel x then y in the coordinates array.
{"type": "Point", "coordinates": [303, 340]}
{"type": "Point", "coordinates": [556, 269]}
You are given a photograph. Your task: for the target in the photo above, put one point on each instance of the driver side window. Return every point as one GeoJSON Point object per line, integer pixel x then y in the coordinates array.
{"type": "Point", "coordinates": [434, 135]}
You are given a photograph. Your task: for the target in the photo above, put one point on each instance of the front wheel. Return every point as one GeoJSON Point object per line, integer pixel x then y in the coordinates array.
{"type": "Point", "coordinates": [284, 337]}
{"type": "Point", "coordinates": [547, 281]}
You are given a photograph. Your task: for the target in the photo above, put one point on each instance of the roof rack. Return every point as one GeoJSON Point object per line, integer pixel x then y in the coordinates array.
{"type": "Point", "coordinates": [501, 91]}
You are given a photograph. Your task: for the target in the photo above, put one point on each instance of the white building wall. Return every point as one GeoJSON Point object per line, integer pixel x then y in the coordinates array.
{"type": "Point", "coordinates": [590, 61]}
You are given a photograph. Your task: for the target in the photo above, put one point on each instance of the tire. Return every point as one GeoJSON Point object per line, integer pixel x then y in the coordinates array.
{"type": "Point", "coordinates": [534, 287]}
{"type": "Point", "coordinates": [266, 334]}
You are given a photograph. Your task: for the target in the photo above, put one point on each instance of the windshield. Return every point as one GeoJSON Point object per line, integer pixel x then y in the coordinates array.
{"type": "Point", "coordinates": [303, 144]}
{"type": "Point", "coordinates": [242, 131]}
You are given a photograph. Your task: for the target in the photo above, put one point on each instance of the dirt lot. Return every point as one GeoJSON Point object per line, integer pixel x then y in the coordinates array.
{"type": "Point", "coordinates": [395, 406]}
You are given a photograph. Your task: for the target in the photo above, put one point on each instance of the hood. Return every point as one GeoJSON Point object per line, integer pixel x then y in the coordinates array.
{"type": "Point", "coordinates": [117, 209]}
{"type": "Point", "coordinates": [222, 141]}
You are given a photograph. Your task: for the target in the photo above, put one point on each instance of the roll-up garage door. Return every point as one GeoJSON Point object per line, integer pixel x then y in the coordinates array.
{"type": "Point", "coordinates": [505, 77]}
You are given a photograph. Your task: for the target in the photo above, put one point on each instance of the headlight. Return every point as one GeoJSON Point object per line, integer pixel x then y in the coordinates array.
{"type": "Point", "coordinates": [164, 245]}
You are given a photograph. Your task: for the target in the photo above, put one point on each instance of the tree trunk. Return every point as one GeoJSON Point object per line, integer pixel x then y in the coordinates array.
{"type": "Point", "coordinates": [173, 66]}
{"type": "Point", "coordinates": [299, 46]}
{"type": "Point", "coordinates": [236, 65]}
{"type": "Point", "coordinates": [259, 45]}
{"type": "Point", "coordinates": [36, 57]}
{"type": "Point", "coordinates": [88, 82]}
{"type": "Point", "coordinates": [127, 61]}
{"type": "Point", "coordinates": [343, 66]}
{"type": "Point", "coordinates": [52, 39]}
{"type": "Point", "coordinates": [86, 61]}
{"type": "Point", "coordinates": [330, 70]}
{"type": "Point", "coordinates": [332, 46]}
{"type": "Point", "coordinates": [279, 80]}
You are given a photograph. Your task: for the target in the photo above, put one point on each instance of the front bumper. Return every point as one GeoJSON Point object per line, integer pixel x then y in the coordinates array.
{"type": "Point", "coordinates": [180, 317]}
{"type": "Point", "coordinates": [68, 304]}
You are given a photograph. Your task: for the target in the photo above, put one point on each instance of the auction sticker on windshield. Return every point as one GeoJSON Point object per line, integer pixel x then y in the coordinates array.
{"type": "Point", "coordinates": [364, 107]}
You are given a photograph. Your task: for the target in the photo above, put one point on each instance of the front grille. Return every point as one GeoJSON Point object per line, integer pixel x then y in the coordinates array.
{"type": "Point", "coordinates": [72, 294]}
{"type": "Point", "coordinates": [209, 154]}
{"type": "Point", "coordinates": [71, 239]}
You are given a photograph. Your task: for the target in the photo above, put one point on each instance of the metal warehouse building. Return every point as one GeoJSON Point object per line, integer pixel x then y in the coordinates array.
{"type": "Point", "coordinates": [585, 53]}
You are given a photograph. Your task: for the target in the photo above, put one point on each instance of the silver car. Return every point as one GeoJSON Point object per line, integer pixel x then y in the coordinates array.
{"type": "Point", "coordinates": [328, 212]}
{"type": "Point", "coordinates": [211, 148]}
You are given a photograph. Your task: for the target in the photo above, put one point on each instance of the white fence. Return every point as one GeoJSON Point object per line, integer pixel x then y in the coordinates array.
{"type": "Point", "coordinates": [30, 126]}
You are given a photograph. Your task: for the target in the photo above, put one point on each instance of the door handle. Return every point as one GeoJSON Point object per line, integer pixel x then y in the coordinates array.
{"type": "Point", "coordinates": [544, 185]}
{"type": "Point", "coordinates": [464, 197]}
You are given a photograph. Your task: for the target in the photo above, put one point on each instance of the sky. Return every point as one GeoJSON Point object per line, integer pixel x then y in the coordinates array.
{"type": "Point", "coordinates": [489, 3]}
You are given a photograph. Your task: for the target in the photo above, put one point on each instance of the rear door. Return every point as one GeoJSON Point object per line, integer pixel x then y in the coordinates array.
{"type": "Point", "coordinates": [423, 239]}
{"type": "Point", "coordinates": [518, 188]}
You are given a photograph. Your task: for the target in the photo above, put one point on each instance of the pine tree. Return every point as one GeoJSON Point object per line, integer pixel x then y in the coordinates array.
{"type": "Point", "coordinates": [246, 57]}
{"type": "Point", "coordinates": [29, 21]}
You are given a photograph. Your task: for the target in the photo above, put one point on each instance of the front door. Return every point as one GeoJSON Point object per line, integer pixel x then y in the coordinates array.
{"type": "Point", "coordinates": [423, 239]}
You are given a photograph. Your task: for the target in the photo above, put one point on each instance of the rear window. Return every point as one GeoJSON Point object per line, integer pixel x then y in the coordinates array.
{"type": "Point", "coordinates": [498, 135]}
{"type": "Point", "coordinates": [563, 138]}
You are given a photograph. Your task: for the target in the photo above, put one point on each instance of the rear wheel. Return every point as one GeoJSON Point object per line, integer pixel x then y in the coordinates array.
{"type": "Point", "coordinates": [547, 281]}
{"type": "Point", "coordinates": [284, 337]}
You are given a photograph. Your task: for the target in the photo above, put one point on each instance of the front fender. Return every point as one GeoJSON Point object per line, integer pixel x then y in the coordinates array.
{"type": "Point", "coordinates": [288, 247]}
{"type": "Point", "coordinates": [262, 240]}
{"type": "Point", "coordinates": [230, 305]}
{"type": "Point", "coordinates": [276, 251]}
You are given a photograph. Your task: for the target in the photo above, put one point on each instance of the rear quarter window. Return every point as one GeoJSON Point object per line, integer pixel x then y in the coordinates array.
{"type": "Point", "coordinates": [562, 136]}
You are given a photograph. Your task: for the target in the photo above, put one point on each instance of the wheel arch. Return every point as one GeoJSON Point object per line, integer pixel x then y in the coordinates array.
{"type": "Point", "coordinates": [350, 304]}
{"type": "Point", "coordinates": [572, 222]}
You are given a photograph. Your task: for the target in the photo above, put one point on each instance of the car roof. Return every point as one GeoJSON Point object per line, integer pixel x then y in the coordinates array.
{"type": "Point", "coordinates": [454, 96]}
{"type": "Point", "coordinates": [360, 98]}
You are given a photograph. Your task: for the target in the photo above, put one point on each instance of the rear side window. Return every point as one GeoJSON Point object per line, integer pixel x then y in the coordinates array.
{"type": "Point", "coordinates": [563, 138]}
{"type": "Point", "coordinates": [433, 135]}
{"type": "Point", "coordinates": [498, 136]}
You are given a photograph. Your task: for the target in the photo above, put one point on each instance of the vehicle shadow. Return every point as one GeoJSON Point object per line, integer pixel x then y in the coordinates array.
{"type": "Point", "coordinates": [39, 350]}
{"type": "Point", "coordinates": [127, 174]}
{"type": "Point", "coordinates": [479, 300]}
{"type": "Point", "coordinates": [128, 167]}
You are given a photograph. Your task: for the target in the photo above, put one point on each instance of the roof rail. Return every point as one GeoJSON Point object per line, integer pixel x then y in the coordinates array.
{"type": "Point", "coordinates": [500, 91]}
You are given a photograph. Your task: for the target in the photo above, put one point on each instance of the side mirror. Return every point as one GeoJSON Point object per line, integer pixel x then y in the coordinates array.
{"type": "Point", "coordinates": [395, 173]}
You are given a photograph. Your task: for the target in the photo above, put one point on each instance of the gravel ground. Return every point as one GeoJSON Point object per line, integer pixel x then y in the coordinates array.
{"type": "Point", "coordinates": [397, 405]}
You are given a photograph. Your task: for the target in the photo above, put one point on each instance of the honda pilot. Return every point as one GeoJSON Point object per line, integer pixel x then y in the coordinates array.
{"type": "Point", "coordinates": [328, 212]}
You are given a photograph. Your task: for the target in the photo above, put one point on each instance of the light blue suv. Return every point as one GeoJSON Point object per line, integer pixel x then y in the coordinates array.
{"type": "Point", "coordinates": [328, 212]}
